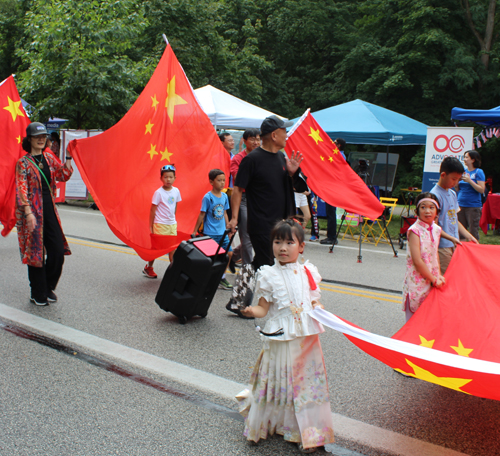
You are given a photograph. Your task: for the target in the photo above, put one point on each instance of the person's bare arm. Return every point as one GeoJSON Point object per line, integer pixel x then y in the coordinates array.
{"type": "Point", "coordinates": [420, 266]}
{"type": "Point", "coordinates": [258, 311]}
{"type": "Point", "coordinates": [152, 214]}
{"type": "Point", "coordinates": [235, 208]}
{"type": "Point", "coordinates": [201, 217]}
{"type": "Point", "coordinates": [464, 233]}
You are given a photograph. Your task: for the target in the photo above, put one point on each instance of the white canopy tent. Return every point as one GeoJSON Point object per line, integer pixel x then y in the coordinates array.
{"type": "Point", "coordinates": [229, 112]}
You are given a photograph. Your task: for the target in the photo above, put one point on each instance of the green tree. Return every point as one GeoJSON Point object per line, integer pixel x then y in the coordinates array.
{"type": "Point", "coordinates": [212, 47]}
{"type": "Point", "coordinates": [417, 57]}
{"type": "Point", "coordinates": [11, 30]}
{"type": "Point", "coordinates": [77, 62]}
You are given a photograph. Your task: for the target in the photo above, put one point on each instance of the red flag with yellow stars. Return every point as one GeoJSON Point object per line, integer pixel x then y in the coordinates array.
{"type": "Point", "coordinates": [328, 174]}
{"type": "Point", "coordinates": [121, 166]}
{"type": "Point", "coordinates": [453, 339]}
{"type": "Point", "coordinates": [13, 123]}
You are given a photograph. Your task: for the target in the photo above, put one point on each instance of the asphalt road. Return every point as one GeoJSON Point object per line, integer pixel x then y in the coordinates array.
{"type": "Point", "coordinates": [54, 403]}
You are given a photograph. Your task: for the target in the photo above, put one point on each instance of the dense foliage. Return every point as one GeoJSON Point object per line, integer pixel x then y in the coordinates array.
{"type": "Point", "coordinates": [87, 61]}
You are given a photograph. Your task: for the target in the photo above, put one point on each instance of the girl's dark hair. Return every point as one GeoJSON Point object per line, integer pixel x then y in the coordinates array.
{"type": "Point", "coordinates": [285, 229]}
{"type": "Point", "coordinates": [474, 155]}
{"type": "Point", "coordinates": [55, 137]}
{"type": "Point", "coordinates": [426, 195]}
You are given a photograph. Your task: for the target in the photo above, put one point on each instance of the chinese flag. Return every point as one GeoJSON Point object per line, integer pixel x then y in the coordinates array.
{"type": "Point", "coordinates": [453, 340]}
{"type": "Point", "coordinates": [121, 166]}
{"type": "Point", "coordinates": [13, 123]}
{"type": "Point", "coordinates": [328, 174]}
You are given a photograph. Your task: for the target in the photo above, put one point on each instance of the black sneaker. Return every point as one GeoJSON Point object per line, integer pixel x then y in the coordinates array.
{"type": "Point", "coordinates": [243, 316]}
{"type": "Point", "coordinates": [39, 303]}
{"type": "Point", "coordinates": [232, 306]}
{"type": "Point", "coordinates": [326, 241]}
{"type": "Point", "coordinates": [51, 296]}
{"type": "Point", "coordinates": [232, 266]}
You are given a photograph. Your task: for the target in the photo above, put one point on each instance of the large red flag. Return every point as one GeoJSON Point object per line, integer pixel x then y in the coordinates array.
{"type": "Point", "coordinates": [13, 123]}
{"type": "Point", "coordinates": [121, 167]}
{"type": "Point", "coordinates": [453, 340]}
{"type": "Point", "coordinates": [328, 174]}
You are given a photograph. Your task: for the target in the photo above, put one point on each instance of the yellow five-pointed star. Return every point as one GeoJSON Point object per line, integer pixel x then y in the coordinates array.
{"type": "Point", "coordinates": [13, 108]}
{"type": "Point", "coordinates": [315, 135]}
{"type": "Point", "coordinates": [335, 151]}
{"type": "Point", "coordinates": [322, 158]}
{"type": "Point", "coordinates": [152, 152]}
{"type": "Point", "coordinates": [330, 159]}
{"type": "Point", "coordinates": [426, 343]}
{"type": "Point", "coordinates": [461, 350]}
{"type": "Point", "coordinates": [149, 127]}
{"type": "Point", "coordinates": [172, 99]}
{"type": "Point", "coordinates": [165, 155]}
{"type": "Point", "coordinates": [448, 382]}
{"type": "Point", "coordinates": [19, 139]}
{"type": "Point", "coordinates": [155, 101]}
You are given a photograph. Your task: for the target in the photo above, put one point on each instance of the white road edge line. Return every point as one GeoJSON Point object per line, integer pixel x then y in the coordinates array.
{"type": "Point", "coordinates": [347, 428]}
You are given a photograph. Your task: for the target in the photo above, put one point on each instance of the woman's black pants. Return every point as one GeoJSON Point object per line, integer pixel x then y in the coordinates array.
{"type": "Point", "coordinates": [44, 279]}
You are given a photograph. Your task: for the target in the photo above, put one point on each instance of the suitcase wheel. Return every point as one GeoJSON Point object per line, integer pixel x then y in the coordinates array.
{"type": "Point", "coordinates": [183, 320]}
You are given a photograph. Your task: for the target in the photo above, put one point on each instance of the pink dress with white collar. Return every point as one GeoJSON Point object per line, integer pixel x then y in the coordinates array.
{"type": "Point", "coordinates": [415, 286]}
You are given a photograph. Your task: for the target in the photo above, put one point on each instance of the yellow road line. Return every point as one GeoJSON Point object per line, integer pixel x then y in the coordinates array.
{"type": "Point", "coordinates": [343, 288]}
{"type": "Point", "coordinates": [361, 295]}
{"type": "Point", "coordinates": [326, 287]}
{"type": "Point", "coordinates": [118, 249]}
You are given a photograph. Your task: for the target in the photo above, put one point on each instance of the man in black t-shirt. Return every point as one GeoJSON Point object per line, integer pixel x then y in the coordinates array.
{"type": "Point", "coordinates": [266, 175]}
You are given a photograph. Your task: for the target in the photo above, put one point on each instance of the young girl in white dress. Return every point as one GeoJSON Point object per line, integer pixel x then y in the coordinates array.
{"type": "Point", "coordinates": [288, 392]}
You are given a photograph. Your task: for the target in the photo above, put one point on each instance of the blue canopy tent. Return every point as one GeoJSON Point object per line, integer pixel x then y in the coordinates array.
{"type": "Point", "coordinates": [485, 117]}
{"type": "Point", "coordinates": [359, 122]}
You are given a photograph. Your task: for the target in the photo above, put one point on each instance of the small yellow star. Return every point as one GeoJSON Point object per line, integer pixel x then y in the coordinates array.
{"type": "Point", "coordinates": [461, 350]}
{"type": "Point", "coordinates": [152, 152]}
{"type": "Point", "coordinates": [322, 158]}
{"type": "Point", "coordinates": [19, 140]}
{"type": "Point", "coordinates": [149, 127]}
{"type": "Point", "coordinates": [172, 99]}
{"type": "Point", "coordinates": [448, 382]}
{"type": "Point", "coordinates": [13, 108]}
{"type": "Point", "coordinates": [330, 159]}
{"type": "Point", "coordinates": [165, 155]}
{"type": "Point", "coordinates": [335, 151]}
{"type": "Point", "coordinates": [315, 135]}
{"type": "Point", "coordinates": [426, 343]}
{"type": "Point", "coordinates": [155, 101]}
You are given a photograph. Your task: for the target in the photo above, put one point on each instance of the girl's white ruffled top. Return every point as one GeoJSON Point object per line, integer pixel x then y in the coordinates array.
{"type": "Point", "coordinates": [288, 290]}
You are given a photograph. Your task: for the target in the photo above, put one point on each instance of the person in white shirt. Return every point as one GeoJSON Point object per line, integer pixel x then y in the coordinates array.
{"type": "Point", "coordinates": [162, 215]}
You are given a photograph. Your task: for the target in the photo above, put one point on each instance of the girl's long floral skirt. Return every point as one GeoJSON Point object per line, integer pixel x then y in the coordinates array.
{"type": "Point", "coordinates": [289, 394]}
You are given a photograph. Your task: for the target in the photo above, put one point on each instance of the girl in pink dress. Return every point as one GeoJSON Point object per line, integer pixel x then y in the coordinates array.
{"type": "Point", "coordinates": [288, 392]}
{"type": "Point", "coordinates": [422, 261]}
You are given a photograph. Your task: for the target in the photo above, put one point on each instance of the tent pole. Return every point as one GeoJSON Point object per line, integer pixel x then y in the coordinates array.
{"type": "Point", "coordinates": [387, 172]}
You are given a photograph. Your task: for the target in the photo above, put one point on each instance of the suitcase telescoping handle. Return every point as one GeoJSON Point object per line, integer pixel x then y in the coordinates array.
{"type": "Point", "coordinates": [222, 241]}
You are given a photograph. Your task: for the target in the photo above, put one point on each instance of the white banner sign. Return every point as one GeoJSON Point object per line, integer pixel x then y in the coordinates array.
{"type": "Point", "coordinates": [444, 142]}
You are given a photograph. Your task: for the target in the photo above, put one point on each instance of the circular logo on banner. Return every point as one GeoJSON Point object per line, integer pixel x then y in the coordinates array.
{"type": "Point", "coordinates": [454, 144]}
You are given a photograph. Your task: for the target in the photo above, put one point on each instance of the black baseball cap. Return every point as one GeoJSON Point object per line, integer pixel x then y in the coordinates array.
{"type": "Point", "coordinates": [272, 123]}
{"type": "Point", "coordinates": [36, 129]}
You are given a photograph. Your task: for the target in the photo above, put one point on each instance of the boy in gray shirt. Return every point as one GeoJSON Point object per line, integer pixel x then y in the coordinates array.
{"type": "Point", "coordinates": [451, 171]}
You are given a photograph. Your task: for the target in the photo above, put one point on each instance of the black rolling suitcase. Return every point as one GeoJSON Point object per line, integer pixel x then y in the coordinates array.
{"type": "Point", "coordinates": [190, 282]}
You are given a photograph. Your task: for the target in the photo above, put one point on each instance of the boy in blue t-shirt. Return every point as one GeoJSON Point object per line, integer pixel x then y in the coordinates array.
{"type": "Point", "coordinates": [450, 173]}
{"type": "Point", "coordinates": [213, 215]}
